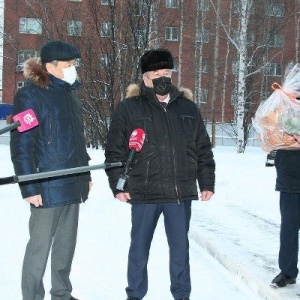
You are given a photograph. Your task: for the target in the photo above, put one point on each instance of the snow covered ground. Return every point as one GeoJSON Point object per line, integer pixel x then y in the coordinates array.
{"type": "Point", "coordinates": [234, 237]}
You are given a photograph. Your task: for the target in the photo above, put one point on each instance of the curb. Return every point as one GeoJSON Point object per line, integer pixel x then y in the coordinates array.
{"type": "Point", "coordinates": [256, 284]}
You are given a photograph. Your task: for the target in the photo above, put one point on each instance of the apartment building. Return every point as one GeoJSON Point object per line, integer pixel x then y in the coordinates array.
{"type": "Point", "coordinates": [206, 38]}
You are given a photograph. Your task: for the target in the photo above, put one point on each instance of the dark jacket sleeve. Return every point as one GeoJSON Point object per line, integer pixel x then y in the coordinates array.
{"type": "Point", "coordinates": [206, 163]}
{"type": "Point", "coordinates": [117, 148]}
{"type": "Point", "coordinates": [22, 146]}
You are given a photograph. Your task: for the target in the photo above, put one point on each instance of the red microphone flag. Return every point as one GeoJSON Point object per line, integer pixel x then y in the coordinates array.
{"type": "Point", "coordinates": [27, 119]}
{"type": "Point", "coordinates": [136, 140]}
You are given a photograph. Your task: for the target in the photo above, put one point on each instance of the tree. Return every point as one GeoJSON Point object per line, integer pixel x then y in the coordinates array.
{"type": "Point", "coordinates": [253, 56]}
{"type": "Point", "coordinates": [111, 39]}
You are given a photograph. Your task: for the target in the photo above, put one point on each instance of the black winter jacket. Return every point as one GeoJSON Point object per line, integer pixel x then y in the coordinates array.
{"type": "Point", "coordinates": [58, 141]}
{"type": "Point", "coordinates": [176, 151]}
{"type": "Point", "coordinates": [287, 163]}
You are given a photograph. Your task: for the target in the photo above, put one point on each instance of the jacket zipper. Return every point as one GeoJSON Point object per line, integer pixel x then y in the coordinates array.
{"type": "Point", "coordinates": [146, 182]}
{"type": "Point", "coordinates": [173, 151]}
{"type": "Point", "coordinates": [69, 94]}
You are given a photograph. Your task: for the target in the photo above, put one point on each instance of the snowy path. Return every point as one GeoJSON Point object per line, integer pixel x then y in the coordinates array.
{"type": "Point", "coordinates": [99, 268]}
{"type": "Point", "coordinates": [240, 227]}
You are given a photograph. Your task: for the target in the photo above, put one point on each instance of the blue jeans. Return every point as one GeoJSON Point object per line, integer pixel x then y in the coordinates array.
{"type": "Point", "coordinates": [144, 218]}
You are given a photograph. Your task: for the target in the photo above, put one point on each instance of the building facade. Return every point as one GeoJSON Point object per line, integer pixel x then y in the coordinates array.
{"type": "Point", "coordinates": [207, 37]}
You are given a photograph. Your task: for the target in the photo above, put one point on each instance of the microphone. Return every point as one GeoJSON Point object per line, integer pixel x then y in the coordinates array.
{"type": "Point", "coordinates": [23, 121]}
{"type": "Point", "coordinates": [136, 142]}
{"type": "Point", "coordinates": [62, 172]}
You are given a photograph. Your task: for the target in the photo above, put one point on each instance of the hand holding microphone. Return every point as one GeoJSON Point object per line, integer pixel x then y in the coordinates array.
{"type": "Point", "coordinates": [23, 121]}
{"type": "Point", "coordinates": [136, 142]}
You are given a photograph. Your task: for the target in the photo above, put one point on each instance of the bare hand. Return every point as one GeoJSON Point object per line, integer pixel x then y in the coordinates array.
{"type": "Point", "coordinates": [206, 195]}
{"type": "Point", "coordinates": [124, 197]}
{"type": "Point", "coordinates": [90, 185]}
{"type": "Point", "coordinates": [35, 200]}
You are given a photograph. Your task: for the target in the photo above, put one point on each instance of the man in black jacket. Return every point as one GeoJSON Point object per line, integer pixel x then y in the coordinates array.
{"type": "Point", "coordinates": [162, 179]}
{"type": "Point", "coordinates": [58, 142]}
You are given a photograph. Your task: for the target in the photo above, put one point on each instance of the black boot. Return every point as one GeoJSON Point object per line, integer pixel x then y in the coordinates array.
{"type": "Point", "coordinates": [133, 298]}
{"type": "Point", "coordinates": [282, 280]}
{"type": "Point", "coordinates": [72, 298]}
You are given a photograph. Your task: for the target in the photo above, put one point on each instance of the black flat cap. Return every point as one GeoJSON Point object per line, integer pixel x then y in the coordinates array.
{"type": "Point", "coordinates": [58, 50]}
{"type": "Point", "coordinates": [156, 59]}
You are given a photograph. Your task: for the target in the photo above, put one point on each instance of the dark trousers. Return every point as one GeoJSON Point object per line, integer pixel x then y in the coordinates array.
{"type": "Point", "coordinates": [289, 233]}
{"type": "Point", "coordinates": [144, 218]}
{"type": "Point", "coordinates": [56, 227]}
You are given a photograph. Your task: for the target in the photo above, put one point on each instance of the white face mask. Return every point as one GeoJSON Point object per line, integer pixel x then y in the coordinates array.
{"type": "Point", "coordinates": [70, 74]}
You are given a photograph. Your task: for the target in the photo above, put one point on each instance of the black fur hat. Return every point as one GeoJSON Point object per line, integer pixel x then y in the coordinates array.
{"type": "Point", "coordinates": [156, 59]}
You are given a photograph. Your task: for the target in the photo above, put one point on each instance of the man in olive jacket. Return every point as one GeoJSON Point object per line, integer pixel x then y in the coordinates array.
{"type": "Point", "coordinates": [58, 142]}
{"type": "Point", "coordinates": [163, 175]}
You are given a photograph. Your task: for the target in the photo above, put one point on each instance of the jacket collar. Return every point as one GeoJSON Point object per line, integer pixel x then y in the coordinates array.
{"type": "Point", "coordinates": [134, 90]}
{"type": "Point", "coordinates": [61, 84]}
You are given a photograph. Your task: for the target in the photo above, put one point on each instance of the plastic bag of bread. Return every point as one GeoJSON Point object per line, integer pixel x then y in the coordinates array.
{"type": "Point", "coordinates": [276, 119]}
{"type": "Point", "coordinates": [290, 119]}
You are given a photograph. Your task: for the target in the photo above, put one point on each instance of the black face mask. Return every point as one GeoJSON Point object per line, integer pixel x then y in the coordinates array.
{"type": "Point", "coordinates": [162, 85]}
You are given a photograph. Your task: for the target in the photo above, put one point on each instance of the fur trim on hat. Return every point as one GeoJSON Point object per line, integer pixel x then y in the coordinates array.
{"type": "Point", "coordinates": [34, 71]}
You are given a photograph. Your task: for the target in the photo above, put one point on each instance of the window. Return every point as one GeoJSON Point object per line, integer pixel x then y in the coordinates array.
{"type": "Point", "coordinates": [106, 29]}
{"type": "Point", "coordinates": [234, 97]}
{"type": "Point", "coordinates": [20, 84]}
{"type": "Point", "coordinates": [140, 37]}
{"type": "Point", "coordinates": [175, 62]}
{"type": "Point", "coordinates": [107, 2]}
{"type": "Point", "coordinates": [235, 66]}
{"type": "Point", "coordinates": [25, 54]}
{"type": "Point", "coordinates": [30, 25]}
{"type": "Point", "coordinates": [202, 36]}
{"type": "Point", "coordinates": [78, 62]}
{"type": "Point", "coordinates": [104, 91]}
{"type": "Point", "coordinates": [203, 5]}
{"type": "Point", "coordinates": [250, 37]}
{"type": "Point", "coordinates": [201, 95]}
{"type": "Point", "coordinates": [104, 60]}
{"type": "Point", "coordinates": [276, 40]}
{"type": "Point", "coordinates": [205, 65]}
{"type": "Point", "coordinates": [74, 28]}
{"type": "Point", "coordinates": [272, 69]}
{"type": "Point", "coordinates": [237, 6]}
{"type": "Point", "coordinates": [138, 7]}
{"type": "Point", "coordinates": [171, 34]}
{"type": "Point", "coordinates": [172, 3]}
{"type": "Point", "coordinates": [275, 9]}
{"type": "Point", "coordinates": [264, 95]}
